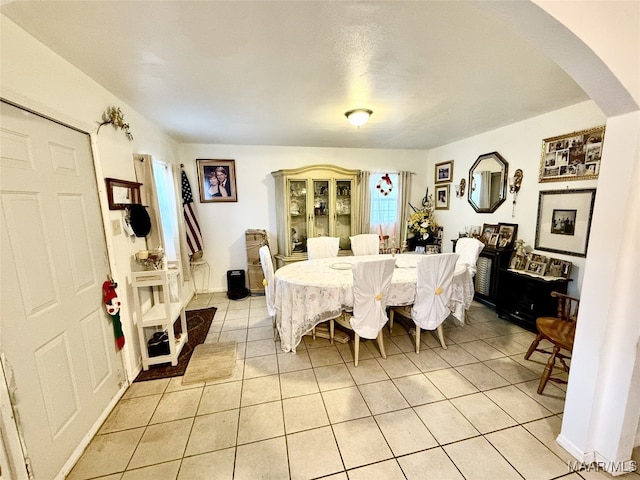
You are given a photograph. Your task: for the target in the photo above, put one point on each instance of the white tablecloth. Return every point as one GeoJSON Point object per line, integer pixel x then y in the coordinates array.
{"type": "Point", "coordinates": [313, 291]}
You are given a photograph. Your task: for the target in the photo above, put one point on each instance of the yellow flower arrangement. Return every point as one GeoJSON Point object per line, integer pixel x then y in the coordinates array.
{"type": "Point", "coordinates": [422, 222]}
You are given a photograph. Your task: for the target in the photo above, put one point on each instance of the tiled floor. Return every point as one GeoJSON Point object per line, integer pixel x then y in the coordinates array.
{"type": "Point", "coordinates": [468, 412]}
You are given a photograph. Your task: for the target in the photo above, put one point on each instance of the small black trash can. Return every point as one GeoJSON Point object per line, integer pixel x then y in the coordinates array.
{"type": "Point", "coordinates": [236, 284]}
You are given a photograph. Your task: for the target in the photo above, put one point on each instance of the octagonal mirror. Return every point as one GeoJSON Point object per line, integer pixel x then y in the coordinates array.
{"type": "Point", "coordinates": [488, 182]}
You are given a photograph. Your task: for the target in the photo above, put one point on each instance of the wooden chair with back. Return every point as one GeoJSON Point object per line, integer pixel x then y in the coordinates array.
{"type": "Point", "coordinates": [560, 332]}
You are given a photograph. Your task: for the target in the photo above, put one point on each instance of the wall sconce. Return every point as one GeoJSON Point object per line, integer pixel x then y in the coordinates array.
{"type": "Point", "coordinates": [358, 117]}
{"type": "Point", "coordinates": [514, 188]}
{"type": "Point", "coordinates": [460, 188]}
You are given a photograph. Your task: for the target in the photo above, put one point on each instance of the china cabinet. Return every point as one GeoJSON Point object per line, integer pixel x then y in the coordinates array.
{"type": "Point", "coordinates": [315, 201]}
{"type": "Point", "coordinates": [167, 308]}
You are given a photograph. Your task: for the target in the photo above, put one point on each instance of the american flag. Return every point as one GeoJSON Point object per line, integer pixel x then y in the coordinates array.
{"type": "Point", "coordinates": [194, 236]}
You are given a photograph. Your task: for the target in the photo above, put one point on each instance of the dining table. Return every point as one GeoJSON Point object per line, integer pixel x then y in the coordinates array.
{"type": "Point", "coordinates": [310, 292]}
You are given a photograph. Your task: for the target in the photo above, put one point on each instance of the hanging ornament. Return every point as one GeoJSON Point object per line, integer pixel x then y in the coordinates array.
{"type": "Point", "coordinates": [384, 185]}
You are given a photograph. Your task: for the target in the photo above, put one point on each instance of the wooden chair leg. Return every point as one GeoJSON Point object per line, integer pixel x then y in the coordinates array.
{"type": "Point", "coordinates": [381, 345]}
{"type": "Point", "coordinates": [332, 329]}
{"type": "Point", "coordinates": [547, 370]}
{"type": "Point", "coordinates": [533, 346]}
{"type": "Point", "coordinates": [356, 349]}
{"type": "Point", "coordinates": [417, 339]}
{"type": "Point", "coordinates": [441, 337]}
{"type": "Point", "coordinates": [391, 312]}
{"type": "Point", "coordinates": [313, 333]}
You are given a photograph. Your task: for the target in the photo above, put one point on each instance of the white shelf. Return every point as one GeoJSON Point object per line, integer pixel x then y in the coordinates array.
{"type": "Point", "coordinates": [158, 314]}
{"type": "Point", "coordinates": [162, 314]}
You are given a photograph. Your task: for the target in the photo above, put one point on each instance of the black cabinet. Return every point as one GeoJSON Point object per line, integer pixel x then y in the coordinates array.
{"type": "Point", "coordinates": [522, 298]}
{"type": "Point", "coordinates": [487, 278]}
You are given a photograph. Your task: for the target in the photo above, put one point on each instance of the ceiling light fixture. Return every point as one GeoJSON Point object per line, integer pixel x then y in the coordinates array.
{"type": "Point", "coordinates": [358, 117]}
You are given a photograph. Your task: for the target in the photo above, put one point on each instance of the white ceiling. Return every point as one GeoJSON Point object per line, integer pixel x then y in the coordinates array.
{"type": "Point", "coordinates": [284, 73]}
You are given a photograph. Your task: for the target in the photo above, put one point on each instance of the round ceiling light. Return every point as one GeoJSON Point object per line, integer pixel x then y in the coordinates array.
{"type": "Point", "coordinates": [358, 117]}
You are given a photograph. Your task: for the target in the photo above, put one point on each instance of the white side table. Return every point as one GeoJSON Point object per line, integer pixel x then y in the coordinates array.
{"type": "Point", "coordinates": [203, 265]}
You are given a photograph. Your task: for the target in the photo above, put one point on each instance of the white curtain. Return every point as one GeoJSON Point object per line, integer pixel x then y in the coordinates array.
{"type": "Point", "coordinates": [365, 204]}
{"type": "Point", "coordinates": [144, 174]}
{"type": "Point", "coordinates": [404, 195]}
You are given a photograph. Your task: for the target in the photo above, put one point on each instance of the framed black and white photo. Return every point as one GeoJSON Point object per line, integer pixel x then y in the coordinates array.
{"type": "Point", "coordinates": [564, 221]}
{"type": "Point", "coordinates": [574, 156]}
{"type": "Point", "coordinates": [507, 233]}
{"type": "Point", "coordinates": [442, 197]}
{"type": "Point", "coordinates": [217, 180]}
{"type": "Point", "coordinates": [444, 172]}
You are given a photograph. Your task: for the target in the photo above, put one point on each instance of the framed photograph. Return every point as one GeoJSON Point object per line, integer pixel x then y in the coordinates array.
{"type": "Point", "coordinates": [493, 240]}
{"type": "Point", "coordinates": [564, 221]}
{"type": "Point", "coordinates": [507, 233]}
{"type": "Point", "coordinates": [574, 156]}
{"type": "Point", "coordinates": [537, 268]}
{"type": "Point", "coordinates": [488, 229]}
{"type": "Point", "coordinates": [517, 261]}
{"type": "Point", "coordinates": [444, 172]}
{"type": "Point", "coordinates": [217, 180]}
{"type": "Point", "coordinates": [554, 268]}
{"type": "Point", "coordinates": [442, 197]}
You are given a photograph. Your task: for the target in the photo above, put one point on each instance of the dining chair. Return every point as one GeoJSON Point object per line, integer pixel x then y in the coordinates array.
{"type": "Point", "coordinates": [269, 285]}
{"type": "Point", "coordinates": [434, 288]}
{"type": "Point", "coordinates": [469, 250]}
{"type": "Point", "coordinates": [365, 244]}
{"type": "Point", "coordinates": [560, 332]}
{"type": "Point", "coordinates": [371, 282]}
{"type": "Point", "coordinates": [323, 247]}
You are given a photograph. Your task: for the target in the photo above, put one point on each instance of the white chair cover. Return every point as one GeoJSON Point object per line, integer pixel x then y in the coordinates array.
{"type": "Point", "coordinates": [365, 244]}
{"type": "Point", "coordinates": [269, 283]}
{"type": "Point", "coordinates": [469, 250]}
{"type": "Point", "coordinates": [371, 282]}
{"type": "Point", "coordinates": [433, 290]}
{"type": "Point", "coordinates": [323, 247]}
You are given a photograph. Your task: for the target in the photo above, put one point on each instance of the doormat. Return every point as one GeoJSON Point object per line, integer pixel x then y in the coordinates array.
{"type": "Point", "coordinates": [211, 361]}
{"type": "Point", "coordinates": [198, 323]}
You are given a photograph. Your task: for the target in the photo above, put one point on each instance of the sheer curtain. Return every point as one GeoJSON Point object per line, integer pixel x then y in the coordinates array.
{"type": "Point", "coordinates": [144, 173]}
{"type": "Point", "coordinates": [365, 203]}
{"type": "Point", "coordinates": [404, 195]}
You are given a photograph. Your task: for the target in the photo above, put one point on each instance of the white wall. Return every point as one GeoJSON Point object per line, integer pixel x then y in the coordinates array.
{"type": "Point", "coordinates": [521, 146]}
{"type": "Point", "coordinates": [35, 77]}
{"type": "Point", "coordinates": [224, 224]}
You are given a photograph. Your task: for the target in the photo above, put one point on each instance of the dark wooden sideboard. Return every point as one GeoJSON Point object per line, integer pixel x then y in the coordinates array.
{"type": "Point", "coordinates": [522, 298]}
{"type": "Point", "coordinates": [487, 278]}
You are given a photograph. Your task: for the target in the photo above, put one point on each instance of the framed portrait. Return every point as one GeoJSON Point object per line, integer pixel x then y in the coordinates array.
{"type": "Point", "coordinates": [442, 197]}
{"type": "Point", "coordinates": [217, 180]}
{"type": "Point", "coordinates": [493, 240]}
{"type": "Point", "coordinates": [537, 268]}
{"type": "Point", "coordinates": [444, 172]}
{"type": "Point", "coordinates": [507, 233]}
{"type": "Point", "coordinates": [518, 261]}
{"type": "Point", "coordinates": [559, 268]}
{"type": "Point", "coordinates": [574, 156]}
{"type": "Point", "coordinates": [488, 229]}
{"type": "Point", "coordinates": [564, 221]}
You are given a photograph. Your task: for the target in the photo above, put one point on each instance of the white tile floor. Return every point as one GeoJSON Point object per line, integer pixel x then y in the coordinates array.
{"type": "Point", "coordinates": [468, 412]}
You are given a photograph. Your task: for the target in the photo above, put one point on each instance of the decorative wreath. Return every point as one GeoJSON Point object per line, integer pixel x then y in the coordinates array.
{"type": "Point", "coordinates": [384, 185]}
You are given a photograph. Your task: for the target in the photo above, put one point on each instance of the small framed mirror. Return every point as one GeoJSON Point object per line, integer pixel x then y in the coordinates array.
{"type": "Point", "coordinates": [488, 182]}
{"type": "Point", "coordinates": [122, 193]}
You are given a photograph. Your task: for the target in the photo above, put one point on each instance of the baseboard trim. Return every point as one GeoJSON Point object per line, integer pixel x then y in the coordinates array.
{"type": "Point", "coordinates": [79, 450]}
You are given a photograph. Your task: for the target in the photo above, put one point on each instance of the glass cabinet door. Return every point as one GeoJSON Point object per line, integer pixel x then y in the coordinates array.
{"type": "Point", "coordinates": [321, 209]}
{"type": "Point", "coordinates": [298, 215]}
{"type": "Point", "coordinates": [343, 213]}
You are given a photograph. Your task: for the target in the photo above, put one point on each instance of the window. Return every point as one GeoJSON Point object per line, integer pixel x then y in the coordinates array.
{"type": "Point", "coordinates": [384, 208]}
{"type": "Point", "coordinates": [166, 196]}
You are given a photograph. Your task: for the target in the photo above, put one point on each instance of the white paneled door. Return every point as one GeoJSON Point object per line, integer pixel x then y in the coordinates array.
{"type": "Point", "coordinates": [55, 337]}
